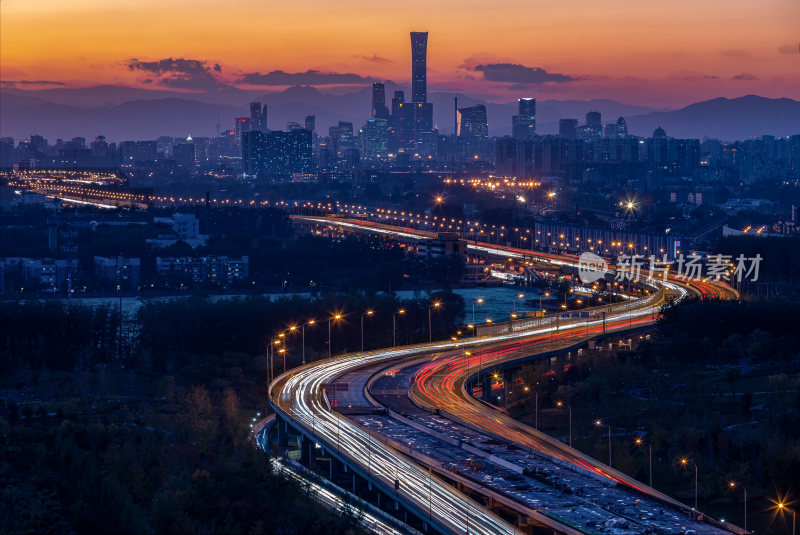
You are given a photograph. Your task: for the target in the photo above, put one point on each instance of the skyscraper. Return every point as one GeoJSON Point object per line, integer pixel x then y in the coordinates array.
{"type": "Point", "coordinates": [397, 100]}
{"type": "Point", "coordinates": [258, 117]}
{"type": "Point", "coordinates": [240, 126]}
{"type": "Point", "coordinates": [311, 122]}
{"type": "Point", "coordinates": [593, 128]}
{"type": "Point", "coordinates": [473, 130]}
{"type": "Point", "coordinates": [379, 109]}
{"type": "Point", "coordinates": [622, 128]}
{"type": "Point", "coordinates": [254, 152]}
{"type": "Point", "coordinates": [568, 128]}
{"type": "Point", "coordinates": [374, 139]}
{"type": "Point", "coordinates": [419, 68]}
{"type": "Point", "coordinates": [527, 107]}
{"type": "Point", "coordinates": [523, 126]}
{"type": "Point", "coordinates": [472, 121]}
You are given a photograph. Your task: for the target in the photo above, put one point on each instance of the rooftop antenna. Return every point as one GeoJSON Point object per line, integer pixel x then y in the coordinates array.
{"type": "Point", "coordinates": [218, 126]}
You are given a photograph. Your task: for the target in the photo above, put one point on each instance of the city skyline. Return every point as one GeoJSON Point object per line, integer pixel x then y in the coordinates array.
{"type": "Point", "coordinates": [633, 55]}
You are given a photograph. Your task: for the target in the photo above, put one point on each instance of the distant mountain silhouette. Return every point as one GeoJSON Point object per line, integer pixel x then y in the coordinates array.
{"type": "Point", "coordinates": [722, 118]}
{"type": "Point", "coordinates": [124, 113]}
{"type": "Point", "coordinates": [137, 119]}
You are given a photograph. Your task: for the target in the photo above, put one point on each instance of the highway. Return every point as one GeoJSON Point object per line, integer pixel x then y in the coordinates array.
{"type": "Point", "coordinates": [442, 369]}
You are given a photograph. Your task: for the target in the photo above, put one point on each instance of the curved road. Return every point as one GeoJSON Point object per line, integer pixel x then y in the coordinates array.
{"type": "Point", "coordinates": [299, 396]}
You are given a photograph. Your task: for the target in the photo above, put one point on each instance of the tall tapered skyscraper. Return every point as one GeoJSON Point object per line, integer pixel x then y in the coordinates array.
{"type": "Point", "coordinates": [419, 67]}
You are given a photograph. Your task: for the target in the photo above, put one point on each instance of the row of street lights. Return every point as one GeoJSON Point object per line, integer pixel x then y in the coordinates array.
{"type": "Point", "coordinates": [683, 461]}
{"type": "Point", "coordinates": [280, 337]}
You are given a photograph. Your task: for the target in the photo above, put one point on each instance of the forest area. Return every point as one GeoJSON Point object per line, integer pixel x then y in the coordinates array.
{"type": "Point", "coordinates": [149, 433]}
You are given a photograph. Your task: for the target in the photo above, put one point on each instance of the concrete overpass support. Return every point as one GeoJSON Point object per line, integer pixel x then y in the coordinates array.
{"type": "Point", "coordinates": [283, 433]}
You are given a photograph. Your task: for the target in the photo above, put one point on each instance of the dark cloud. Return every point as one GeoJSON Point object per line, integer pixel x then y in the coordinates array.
{"type": "Point", "coordinates": [374, 58]}
{"type": "Point", "coordinates": [686, 75]}
{"type": "Point", "coordinates": [735, 53]}
{"type": "Point", "coordinates": [30, 82]}
{"type": "Point", "coordinates": [743, 76]}
{"type": "Point", "coordinates": [310, 77]}
{"type": "Point", "coordinates": [789, 49]}
{"type": "Point", "coordinates": [520, 74]}
{"type": "Point", "coordinates": [180, 73]}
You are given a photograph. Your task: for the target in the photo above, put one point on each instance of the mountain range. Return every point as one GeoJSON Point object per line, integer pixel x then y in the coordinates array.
{"type": "Point", "coordinates": [124, 113]}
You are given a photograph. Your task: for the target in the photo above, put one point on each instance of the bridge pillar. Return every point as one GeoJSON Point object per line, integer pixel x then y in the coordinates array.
{"type": "Point", "coordinates": [508, 381]}
{"type": "Point", "coordinates": [487, 388]}
{"type": "Point", "coordinates": [312, 451]}
{"type": "Point", "coordinates": [283, 433]}
{"type": "Point", "coordinates": [305, 454]}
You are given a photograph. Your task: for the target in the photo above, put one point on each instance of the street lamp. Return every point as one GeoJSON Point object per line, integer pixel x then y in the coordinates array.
{"type": "Point", "coordinates": [336, 317]}
{"type": "Point", "coordinates": [271, 358]}
{"type": "Point", "coordinates": [467, 354]}
{"type": "Point", "coordinates": [599, 423]}
{"type": "Point", "coordinates": [394, 326]}
{"type": "Point", "coordinates": [733, 485]}
{"type": "Point", "coordinates": [478, 301]}
{"type": "Point", "coordinates": [638, 441]}
{"type": "Point", "coordinates": [282, 351]}
{"type": "Point", "coordinates": [367, 313]}
{"type": "Point", "coordinates": [782, 507]}
{"type": "Point", "coordinates": [560, 404]}
{"type": "Point", "coordinates": [303, 331]}
{"type": "Point", "coordinates": [518, 296]}
{"type": "Point", "coordinates": [435, 304]}
{"type": "Point", "coordinates": [685, 462]}
{"type": "Point", "coordinates": [546, 294]}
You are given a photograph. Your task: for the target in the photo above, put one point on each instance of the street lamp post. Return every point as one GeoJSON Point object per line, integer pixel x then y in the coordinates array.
{"type": "Point", "coordinates": [639, 442]}
{"type": "Point", "coordinates": [394, 326]}
{"type": "Point", "coordinates": [478, 301]}
{"type": "Point", "coordinates": [435, 304]}
{"type": "Point", "coordinates": [303, 335]}
{"type": "Point", "coordinates": [518, 296]}
{"type": "Point", "coordinates": [685, 462]}
{"type": "Point", "coordinates": [560, 404]}
{"type": "Point", "coordinates": [367, 313]}
{"type": "Point", "coordinates": [599, 423]}
{"type": "Point", "coordinates": [781, 507]}
{"type": "Point", "coordinates": [336, 317]}
{"type": "Point", "coordinates": [733, 485]}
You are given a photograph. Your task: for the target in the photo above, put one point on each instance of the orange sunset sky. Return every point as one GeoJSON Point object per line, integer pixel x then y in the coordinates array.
{"type": "Point", "coordinates": [665, 53]}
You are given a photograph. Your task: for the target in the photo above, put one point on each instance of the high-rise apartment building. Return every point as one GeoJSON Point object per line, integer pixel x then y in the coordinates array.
{"type": "Point", "coordinates": [258, 117]}
{"type": "Point", "coordinates": [523, 126]}
{"type": "Point", "coordinates": [379, 109]}
{"type": "Point", "coordinates": [568, 128]}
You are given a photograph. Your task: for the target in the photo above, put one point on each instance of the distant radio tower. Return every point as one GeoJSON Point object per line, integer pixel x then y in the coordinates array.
{"type": "Point", "coordinates": [218, 126]}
